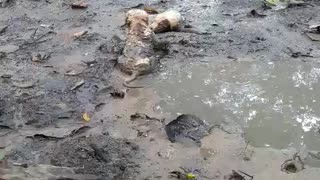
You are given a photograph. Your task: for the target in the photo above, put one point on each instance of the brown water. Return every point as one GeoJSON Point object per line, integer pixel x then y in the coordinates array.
{"type": "Point", "coordinates": [275, 103]}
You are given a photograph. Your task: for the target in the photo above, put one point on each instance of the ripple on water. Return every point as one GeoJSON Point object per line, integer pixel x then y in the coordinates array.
{"type": "Point", "coordinates": [275, 102]}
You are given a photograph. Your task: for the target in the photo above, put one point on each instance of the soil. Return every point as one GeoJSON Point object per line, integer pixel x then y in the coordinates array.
{"type": "Point", "coordinates": [42, 101]}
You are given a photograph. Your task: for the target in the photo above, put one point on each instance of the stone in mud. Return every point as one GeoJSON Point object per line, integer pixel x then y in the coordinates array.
{"type": "Point", "coordinates": [187, 126]}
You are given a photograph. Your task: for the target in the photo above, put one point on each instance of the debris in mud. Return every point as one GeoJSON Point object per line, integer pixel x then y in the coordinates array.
{"type": "Point", "coordinates": [6, 76]}
{"type": "Point", "coordinates": [65, 115]}
{"type": "Point", "coordinates": [247, 154]}
{"type": "Point", "coordinates": [296, 54]}
{"type": "Point", "coordinates": [86, 117]}
{"type": "Point", "coordinates": [187, 126]}
{"type": "Point", "coordinates": [150, 10]}
{"type": "Point", "coordinates": [40, 57]}
{"type": "Point", "coordinates": [300, 54]}
{"type": "Point", "coordinates": [283, 4]}
{"type": "Point", "coordinates": [23, 84]}
{"type": "Point", "coordinates": [99, 106]}
{"type": "Point", "coordinates": [314, 154]}
{"type": "Point", "coordinates": [314, 28]}
{"type": "Point", "coordinates": [298, 3]}
{"type": "Point", "coordinates": [77, 85]}
{"type": "Point", "coordinates": [24, 165]}
{"type": "Point", "coordinates": [313, 36]}
{"type": "Point", "coordinates": [137, 115]}
{"type": "Point", "coordinates": [80, 34]}
{"type": "Point", "coordinates": [313, 32]}
{"type": "Point", "coordinates": [233, 58]}
{"type": "Point", "coordinates": [117, 93]}
{"type": "Point", "coordinates": [293, 165]}
{"type": "Point", "coordinates": [72, 73]}
{"type": "Point", "coordinates": [56, 133]}
{"type": "Point", "coordinates": [185, 175]}
{"type": "Point", "coordinates": [3, 29]}
{"type": "Point", "coordinates": [79, 5]}
{"type": "Point", "coordinates": [254, 13]}
{"type": "Point", "coordinates": [89, 62]}
{"type": "Point", "coordinates": [238, 175]}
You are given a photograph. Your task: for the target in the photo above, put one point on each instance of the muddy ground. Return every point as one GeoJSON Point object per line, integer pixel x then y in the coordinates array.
{"type": "Point", "coordinates": [41, 107]}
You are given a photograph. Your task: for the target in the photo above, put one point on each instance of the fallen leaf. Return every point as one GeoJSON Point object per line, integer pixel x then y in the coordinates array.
{"type": "Point", "coordinates": [190, 176]}
{"type": "Point", "coordinates": [86, 117]}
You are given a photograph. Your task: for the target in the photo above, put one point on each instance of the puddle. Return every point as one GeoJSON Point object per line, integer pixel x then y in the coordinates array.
{"type": "Point", "coordinates": [275, 103]}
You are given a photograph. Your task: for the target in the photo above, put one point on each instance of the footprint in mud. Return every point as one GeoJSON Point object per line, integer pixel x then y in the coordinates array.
{"type": "Point", "coordinates": [187, 127]}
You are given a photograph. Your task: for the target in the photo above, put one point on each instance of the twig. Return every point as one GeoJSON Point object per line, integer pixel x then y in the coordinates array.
{"type": "Point", "coordinates": [34, 33]}
{"type": "Point", "coordinates": [246, 174]}
{"type": "Point", "coordinates": [219, 127]}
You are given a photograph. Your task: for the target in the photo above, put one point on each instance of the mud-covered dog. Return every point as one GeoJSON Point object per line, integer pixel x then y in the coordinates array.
{"type": "Point", "coordinates": [139, 57]}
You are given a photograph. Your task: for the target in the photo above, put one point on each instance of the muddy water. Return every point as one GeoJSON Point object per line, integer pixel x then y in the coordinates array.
{"type": "Point", "coordinates": [275, 103]}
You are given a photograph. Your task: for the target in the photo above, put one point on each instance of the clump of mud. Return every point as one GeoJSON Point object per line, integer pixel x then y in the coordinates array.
{"type": "Point", "coordinates": [99, 155]}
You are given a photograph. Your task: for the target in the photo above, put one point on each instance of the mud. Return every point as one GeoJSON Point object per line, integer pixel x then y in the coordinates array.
{"type": "Point", "coordinates": [42, 101]}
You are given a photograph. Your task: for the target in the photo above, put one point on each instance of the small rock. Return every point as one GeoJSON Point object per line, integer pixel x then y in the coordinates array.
{"type": "Point", "coordinates": [187, 126]}
{"type": "Point", "coordinates": [80, 34]}
{"type": "Point", "coordinates": [116, 93]}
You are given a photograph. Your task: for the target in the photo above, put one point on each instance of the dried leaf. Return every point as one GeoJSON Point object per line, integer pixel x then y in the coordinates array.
{"type": "Point", "coordinates": [190, 176]}
{"type": "Point", "coordinates": [86, 117]}
{"type": "Point", "coordinates": [272, 2]}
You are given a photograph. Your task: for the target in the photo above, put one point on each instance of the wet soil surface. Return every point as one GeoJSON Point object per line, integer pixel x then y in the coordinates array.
{"type": "Point", "coordinates": [49, 78]}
